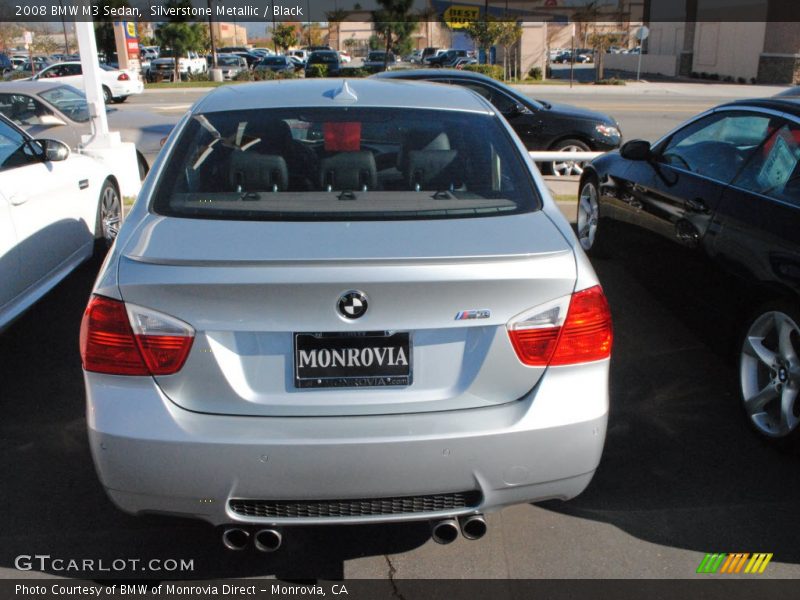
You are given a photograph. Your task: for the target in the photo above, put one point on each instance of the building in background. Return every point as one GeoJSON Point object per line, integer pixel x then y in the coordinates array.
{"type": "Point", "coordinates": [229, 34]}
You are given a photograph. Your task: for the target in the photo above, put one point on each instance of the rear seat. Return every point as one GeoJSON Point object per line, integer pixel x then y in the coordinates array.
{"type": "Point", "coordinates": [253, 172]}
{"type": "Point", "coordinates": [348, 171]}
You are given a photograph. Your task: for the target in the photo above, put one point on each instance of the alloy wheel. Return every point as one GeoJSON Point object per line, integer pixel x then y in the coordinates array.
{"type": "Point", "coordinates": [110, 213]}
{"type": "Point", "coordinates": [564, 168]}
{"type": "Point", "coordinates": [588, 215]}
{"type": "Point", "coordinates": [770, 374]}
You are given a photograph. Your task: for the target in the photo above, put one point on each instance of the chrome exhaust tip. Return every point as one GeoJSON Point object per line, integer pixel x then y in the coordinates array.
{"type": "Point", "coordinates": [235, 538]}
{"type": "Point", "coordinates": [444, 531]}
{"type": "Point", "coordinates": [267, 540]}
{"type": "Point", "coordinates": [473, 527]}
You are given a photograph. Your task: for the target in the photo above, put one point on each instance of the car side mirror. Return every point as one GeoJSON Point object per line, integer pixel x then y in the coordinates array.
{"type": "Point", "coordinates": [516, 110]}
{"type": "Point", "coordinates": [636, 150]}
{"type": "Point", "coordinates": [50, 120]}
{"type": "Point", "coordinates": [54, 150]}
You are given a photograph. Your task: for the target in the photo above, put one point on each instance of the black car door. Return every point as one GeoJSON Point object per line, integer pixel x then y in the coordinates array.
{"type": "Point", "coordinates": [676, 193]}
{"type": "Point", "coordinates": [755, 230]}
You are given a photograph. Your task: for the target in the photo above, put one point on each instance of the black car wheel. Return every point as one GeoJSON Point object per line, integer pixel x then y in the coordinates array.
{"type": "Point", "coordinates": [566, 167]}
{"type": "Point", "coordinates": [769, 372]}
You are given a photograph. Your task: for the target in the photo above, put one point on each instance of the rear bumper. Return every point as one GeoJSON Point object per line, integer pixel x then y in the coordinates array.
{"type": "Point", "coordinates": [153, 456]}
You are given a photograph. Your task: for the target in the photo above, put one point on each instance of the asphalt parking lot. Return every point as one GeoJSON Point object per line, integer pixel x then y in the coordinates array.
{"type": "Point", "coordinates": [681, 474]}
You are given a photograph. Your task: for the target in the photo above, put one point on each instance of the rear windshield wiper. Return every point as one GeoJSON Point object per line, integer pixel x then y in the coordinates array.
{"type": "Point", "coordinates": [347, 195]}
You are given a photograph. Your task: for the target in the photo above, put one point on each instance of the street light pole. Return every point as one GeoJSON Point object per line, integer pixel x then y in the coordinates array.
{"type": "Point", "coordinates": [211, 36]}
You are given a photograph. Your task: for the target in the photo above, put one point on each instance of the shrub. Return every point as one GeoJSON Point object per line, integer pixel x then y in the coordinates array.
{"type": "Point", "coordinates": [244, 75]}
{"type": "Point", "coordinates": [353, 72]}
{"type": "Point", "coordinates": [267, 75]}
{"type": "Point", "coordinates": [610, 81]}
{"type": "Point", "coordinates": [535, 73]}
{"type": "Point", "coordinates": [199, 77]}
{"type": "Point", "coordinates": [694, 75]}
{"type": "Point", "coordinates": [317, 71]}
{"type": "Point", "coordinates": [493, 71]}
{"type": "Point", "coordinates": [741, 80]}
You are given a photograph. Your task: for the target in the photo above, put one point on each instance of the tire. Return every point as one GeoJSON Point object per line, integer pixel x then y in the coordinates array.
{"type": "Point", "coordinates": [120, 99]}
{"type": "Point", "coordinates": [769, 373]}
{"type": "Point", "coordinates": [566, 168]}
{"type": "Point", "coordinates": [109, 217]}
{"type": "Point", "coordinates": [107, 97]}
{"type": "Point", "coordinates": [591, 235]}
{"type": "Point", "coordinates": [143, 167]}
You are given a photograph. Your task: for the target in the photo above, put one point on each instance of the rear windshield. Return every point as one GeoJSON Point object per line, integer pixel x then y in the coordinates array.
{"type": "Point", "coordinates": [324, 57]}
{"type": "Point", "coordinates": [344, 164]}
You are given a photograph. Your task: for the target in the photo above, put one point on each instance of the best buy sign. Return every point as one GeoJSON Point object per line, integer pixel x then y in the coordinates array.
{"type": "Point", "coordinates": [458, 17]}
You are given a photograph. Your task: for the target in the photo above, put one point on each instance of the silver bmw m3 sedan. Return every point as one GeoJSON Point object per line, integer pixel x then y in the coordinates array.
{"type": "Point", "coordinates": [344, 301]}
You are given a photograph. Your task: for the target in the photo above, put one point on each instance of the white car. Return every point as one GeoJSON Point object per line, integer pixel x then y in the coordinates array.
{"type": "Point", "coordinates": [55, 207]}
{"type": "Point", "coordinates": [344, 56]}
{"type": "Point", "coordinates": [117, 84]}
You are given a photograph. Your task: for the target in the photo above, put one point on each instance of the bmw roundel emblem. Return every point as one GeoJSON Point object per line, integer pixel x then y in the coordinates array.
{"type": "Point", "coordinates": [352, 304]}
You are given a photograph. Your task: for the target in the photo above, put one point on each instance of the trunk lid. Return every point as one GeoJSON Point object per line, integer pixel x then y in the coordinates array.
{"type": "Point", "coordinates": [248, 287]}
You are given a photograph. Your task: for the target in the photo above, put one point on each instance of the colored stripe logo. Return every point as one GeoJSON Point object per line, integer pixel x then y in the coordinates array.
{"type": "Point", "coordinates": [741, 562]}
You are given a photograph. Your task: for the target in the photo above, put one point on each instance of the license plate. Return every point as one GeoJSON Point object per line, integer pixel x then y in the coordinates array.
{"type": "Point", "coordinates": [359, 359]}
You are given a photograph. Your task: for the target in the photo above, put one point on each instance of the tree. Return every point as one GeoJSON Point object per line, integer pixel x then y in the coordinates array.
{"type": "Point", "coordinates": [312, 32]}
{"type": "Point", "coordinates": [284, 36]}
{"type": "Point", "coordinates": [484, 33]}
{"type": "Point", "coordinates": [509, 33]}
{"type": "Point", "coordinates": [600, 42]}
{"type": "Point", "coordinates": [104, 27]}
{"type": "Point", "coordinates": [180, 35]}
{"type": "Point", "coordinates": [8, 33]}
{"type": "Point", "coordinates": [394, 24]}
{"type": "Point", "coordinates": [335, 18]}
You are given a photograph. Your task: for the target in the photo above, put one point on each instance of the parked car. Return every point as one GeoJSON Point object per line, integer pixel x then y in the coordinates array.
{"type": "Point", "coordinates": [463, 61]}
{"type": "Point", "coordinates": [415, 57]}
{"type": "Point", "coordinates": [117, 84]}
{"type": "Point", "coordinates": [378, 60]}
{"type": "Point", "coordinates": [344, 57]}
{"type": "Point", "coordinates": [725, 186]}
{"type": "Point", "coordinates": [301, 55]}
{"type": "Point", "coordinates": [51, 109]}
{"type": "Point", "coordinates": [277, 64]}
{"type": "Point", "coordinates": [329, 58]}
{"type": "Point", "coordinates": [315, 323]}
{"type": "Point", "coordinates": [540, 125]}
{"type": "Point", "coordinates": [427, 53]}
{"type": "Point", "coordinates": [251, 58]}
{"type": "Point", "coordinates": [230, 65]}
{"type": "Point", "coordinates": [163, 67]}
{"type": "Point", "coordinates": [448, 58]}
{"type": "Point", "coordinates": [792, 92]}
{"type": "Point", "coordinates": [6, 65]}
{"type": "Point", "coordinates": [54, 206]}
{"type": "Point", "coordinates": [149, 52]}
{"type": "Point", "coordinates": [298, 64]}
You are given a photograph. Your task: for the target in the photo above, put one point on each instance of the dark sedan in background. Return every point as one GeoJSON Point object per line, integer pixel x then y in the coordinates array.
{"type": "Point", "coordinates": [326, 58]}
{"type": "Point", "coordinates": [724, 187]}
{"type": "Point", "coordinates": [541, 125]}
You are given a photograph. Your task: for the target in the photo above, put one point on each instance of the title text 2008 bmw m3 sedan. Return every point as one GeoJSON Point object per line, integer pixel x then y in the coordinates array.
{"type": "Point", "coordinates": [362, 308]}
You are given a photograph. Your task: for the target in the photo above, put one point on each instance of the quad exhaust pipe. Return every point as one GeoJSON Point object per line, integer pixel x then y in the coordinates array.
{"type": "Point", "coordinates": [264, 540]}
{"type": "Point", "coordinates": [235, 538]}
{"type": "Point", "coordinates": [267, 540]}
{"type": "Point", "coordinates": [473, 527]}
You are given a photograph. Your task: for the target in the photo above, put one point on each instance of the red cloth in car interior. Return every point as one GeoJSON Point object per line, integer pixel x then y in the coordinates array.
{"type": "Point", "coordinates": [342, 137]}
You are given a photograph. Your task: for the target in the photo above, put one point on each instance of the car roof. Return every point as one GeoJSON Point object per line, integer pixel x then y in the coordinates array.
{"type": "Point", "coordinates": [30, 87]}
{"type": "Point", "coordinates": [324, 93]}
{"type": "Point", "coordinates": [787, 104]}
{"type": "Point", "coordinates": [439, 73]}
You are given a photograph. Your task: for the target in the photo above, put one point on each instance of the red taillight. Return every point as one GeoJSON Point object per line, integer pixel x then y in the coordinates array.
{"type": "Point", "coordinates": [108, 343]}
{"type": "Point", "coordinates": [123, 77]}
{"type": "Point", "coordinates": [584, 336]}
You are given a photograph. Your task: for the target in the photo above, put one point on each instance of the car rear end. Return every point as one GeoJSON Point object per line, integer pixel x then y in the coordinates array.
{"type": "Point", "coordinates": [407, 333]}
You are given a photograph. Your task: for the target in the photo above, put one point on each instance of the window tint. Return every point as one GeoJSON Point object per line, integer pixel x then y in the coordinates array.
{"type": "Point", "coordinates": [70, 101]}
{"type": "Point", "coordinates": [23, 109]}
{"type": "Point", "coordinates": [718, 145]}
{"type": "Point", "coordinates": [503, 103]}
{"type": "Point", "coordinates": [344, 164]}
{"type": "Point", "coordinates": [774, 169]}
{"type": "Point", "coordinates": [14, 149]}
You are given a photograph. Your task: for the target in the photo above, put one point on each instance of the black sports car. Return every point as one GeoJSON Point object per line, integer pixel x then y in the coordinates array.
{"type": "Point", "coordinates": [725, 187]}
{"type": "Point", "coordinates": [541, 125]}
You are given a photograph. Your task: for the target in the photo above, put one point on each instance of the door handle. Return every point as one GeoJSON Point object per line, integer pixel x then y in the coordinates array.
{"type": "Point", "coordinates": [697, 205]}
{"type": "Point", "coordinates": [17, 199]}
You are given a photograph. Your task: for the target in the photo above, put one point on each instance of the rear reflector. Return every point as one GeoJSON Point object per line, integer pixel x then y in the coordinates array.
{"type": "Point", "coordinates": [131, 340]}
{"type": "Point", "coordinates": [544, 336]}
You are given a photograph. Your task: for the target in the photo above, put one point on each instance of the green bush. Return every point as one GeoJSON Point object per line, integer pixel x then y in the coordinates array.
{"type": "Point", "coordinates": [199, 77]}
{"type": "Point", "coordinates": [267, 75]}
{"type": "Point", "coordinates": [244, 75]}
{"type": "Point", "coordinates": [317, 71]}
{"type": "Point", "coordinates": [610, 81]}
{"type": "Point", "coordinates": [535, 73]}
{"type": "Point", "coordinates": [353, 72]}
{"type": "Point", "coordinates": [493, 71]}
